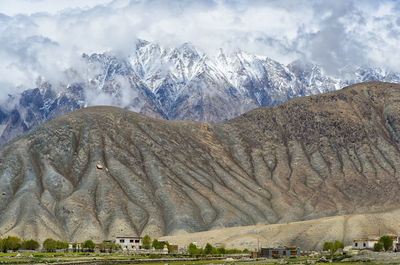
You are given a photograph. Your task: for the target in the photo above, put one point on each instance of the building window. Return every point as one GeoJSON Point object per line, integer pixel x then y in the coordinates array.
{"type": "Point", "coordinates": [121, 241]}
{"type": "Point", "coordinates": [364, 245]}
{"type": "Point", "coordinates": [356, 244]}
{"type": "Point", "coordinates": [131, 241]}
{"type": "Point", "coordinates": [137, 241]}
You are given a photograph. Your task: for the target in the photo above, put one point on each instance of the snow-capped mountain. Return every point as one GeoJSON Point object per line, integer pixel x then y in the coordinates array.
{"type": "Point", "coordinates": [176, 83]}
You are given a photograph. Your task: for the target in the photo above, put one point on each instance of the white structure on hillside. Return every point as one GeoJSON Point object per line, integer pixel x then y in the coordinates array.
{"type": "Point", "coordinates": [129, 243]}
{"type": "Point", "coordinates": [368, 243]}
{"type": "Point", "coordinates": [364, 243]}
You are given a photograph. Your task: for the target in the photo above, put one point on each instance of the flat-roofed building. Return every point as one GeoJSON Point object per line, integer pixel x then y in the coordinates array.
{"type": "Point", "coordinates": [364, 243]}
{"type": "Point", "coordinates": [129, 243]}
{"type": "Point", "coordinates": [279, 252]}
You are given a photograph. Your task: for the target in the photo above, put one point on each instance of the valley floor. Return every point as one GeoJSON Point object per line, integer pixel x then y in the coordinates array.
{"type": "Point", "coordinates": [120, 258]}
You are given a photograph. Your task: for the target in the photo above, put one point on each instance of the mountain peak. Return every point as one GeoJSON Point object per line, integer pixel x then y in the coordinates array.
{"type": "Point", "coordinates": [183, 83]}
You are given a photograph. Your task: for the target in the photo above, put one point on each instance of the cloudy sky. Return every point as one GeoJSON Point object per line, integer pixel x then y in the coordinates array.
{"type": "Point", "coordinates": [44, 37]}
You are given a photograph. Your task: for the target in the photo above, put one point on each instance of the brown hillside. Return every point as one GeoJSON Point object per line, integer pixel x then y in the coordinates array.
{"type": "Point", "coordinates": [103, 171]}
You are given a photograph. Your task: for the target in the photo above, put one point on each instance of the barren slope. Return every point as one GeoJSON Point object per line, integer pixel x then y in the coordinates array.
{"type": "Point", "coordinates": [308, 235]}
{"type": "Point", "coordinates": [325, 155]}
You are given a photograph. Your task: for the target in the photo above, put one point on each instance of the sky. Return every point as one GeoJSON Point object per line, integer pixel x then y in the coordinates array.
{"type": "Point", "coordinates": [45, 37]}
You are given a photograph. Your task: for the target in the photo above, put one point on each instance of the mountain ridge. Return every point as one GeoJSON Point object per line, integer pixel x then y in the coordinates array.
{"type": "Point", "coordinates": [177, 83]}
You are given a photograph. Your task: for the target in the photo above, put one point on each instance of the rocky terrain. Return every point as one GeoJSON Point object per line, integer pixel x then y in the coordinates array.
{"type": "Point", "coordinates": [100, 172]}
{"type": "Point", "coordinates": [176, 83]}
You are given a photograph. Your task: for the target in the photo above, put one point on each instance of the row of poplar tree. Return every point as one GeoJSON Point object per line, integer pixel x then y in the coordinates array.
{"type": "Point", "coordinates": [14, 243]}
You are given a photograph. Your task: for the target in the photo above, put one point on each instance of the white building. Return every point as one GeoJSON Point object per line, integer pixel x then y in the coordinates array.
{"type": "Point", "coordinates": [368, 243]}
{"type": "Point", "coordinates": [78, 247]}
{"type": "Point", "coordinates": [364, 243]}
{"type": "Point", "coordinates": [129, 243]}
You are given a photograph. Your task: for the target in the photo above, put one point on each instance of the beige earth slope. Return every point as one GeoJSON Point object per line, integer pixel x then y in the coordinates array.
{"type": "Point", "coordinates": [101, 172]}
{"type": "Point", "coordinates": [308, 235]}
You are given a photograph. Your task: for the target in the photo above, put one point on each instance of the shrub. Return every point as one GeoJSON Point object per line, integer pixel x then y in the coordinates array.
{"type": "Point", "coordinates": [378, 247]}
{"type": "Point", "coordinates": [155, 256]}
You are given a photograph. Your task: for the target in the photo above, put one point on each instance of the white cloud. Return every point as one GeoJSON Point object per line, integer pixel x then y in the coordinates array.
{"type": "Point", "coordinates": [28, 7]}
{"type": "Point", "coordinates": [46, 37]}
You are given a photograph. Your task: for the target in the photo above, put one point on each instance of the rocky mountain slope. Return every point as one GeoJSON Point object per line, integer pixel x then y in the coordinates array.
{"type": "Point", "coordinates": [103, 171]}
{"type": "Point", "coordinates": [180, 83]}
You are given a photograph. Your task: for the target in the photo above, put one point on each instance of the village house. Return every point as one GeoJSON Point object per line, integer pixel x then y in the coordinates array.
{"type": "Point", "coordinates": [129, 243]}
{"type": "Point", "coordinates": [72, 247]}
{"type": "Point", "coordinates": [364, 243]}
{"type": "Point", "coordinates": [280, 252]}
{"type": "Point", "coordinates": [368, 243]}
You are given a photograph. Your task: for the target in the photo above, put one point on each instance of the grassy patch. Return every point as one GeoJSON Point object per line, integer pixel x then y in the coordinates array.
{"type": "Point", "coordinates": [196, 262]}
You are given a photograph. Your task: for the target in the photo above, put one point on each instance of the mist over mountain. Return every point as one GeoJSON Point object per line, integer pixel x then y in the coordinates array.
{"type": "Point", "coordinates": [180, 83]}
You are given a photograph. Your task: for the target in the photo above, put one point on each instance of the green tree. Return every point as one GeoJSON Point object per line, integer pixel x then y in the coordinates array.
{"type": "Point", "coordinates": [146, 242]}
{"type": "Point", "coordinates": [103, 246]}
{"type": "Point", "coordinates": [332, 247]}
{"type": "Point", "coordinates": [61, 245]}
{"type": "Point", "coordinates": [30, 244]}
{"type": "Point", "coordinates": [246, 250]}
{"type": "Point", "coordinates": [3, 245]}
{"type": "Point", "coordinates": [208, 249]}
{"type": "Point", "coordinates": [108, 246]}
{"type": "Point", "coordinates": [89, 245]}
{"type": "Point", "coordinates": [338, 245]}
{"type": "Point", "coordinates": [116, 246]}
{"type": "Point", "coordinates": [378, 247]}
{"type": "Point", "coordinates": [157, 245]}
{"type": "Point", "coordinates": [233, 251]}
{"type": "Point", "coordinates": [50, 245]}
{"type": "Point", "coordinates": [13, 243]}
{"type": "Point", "coordinates": [327, 246]}
{"type": "Point", "coordinates": [74, 247]}
{"type": "Point", "coordinates": [221, 250]}
{"type": "Point", "coordinates": [193, 250]}
{"type": "Point", "coordinates": [387, 242]}
{"type": "Point", "coordinates": [170, 248]}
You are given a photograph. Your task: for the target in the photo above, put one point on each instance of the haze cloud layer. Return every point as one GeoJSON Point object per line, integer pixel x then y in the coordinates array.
{"type": "Point", "coordinates": [45, 37]}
